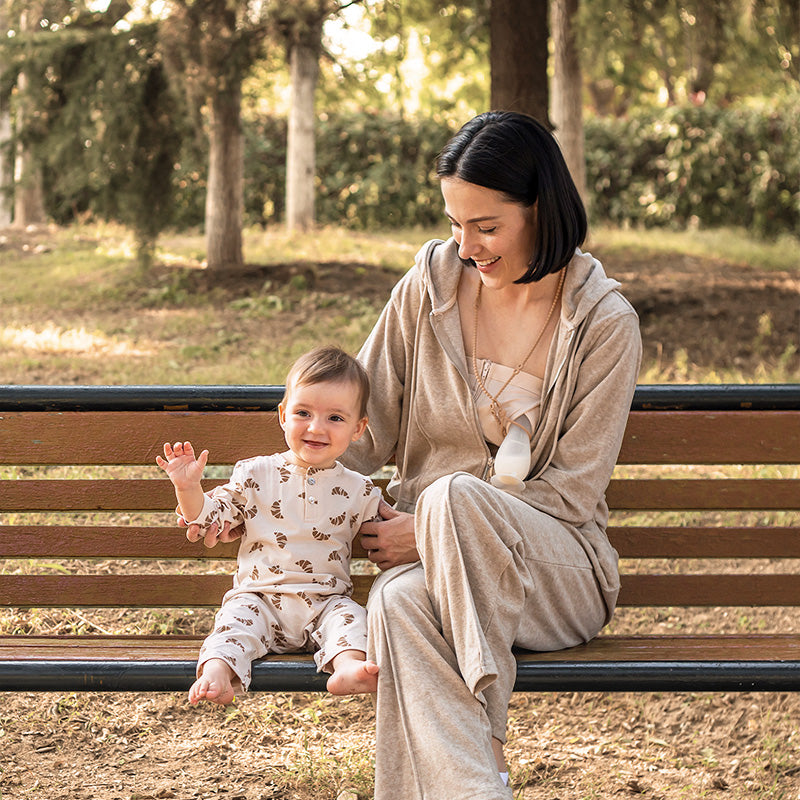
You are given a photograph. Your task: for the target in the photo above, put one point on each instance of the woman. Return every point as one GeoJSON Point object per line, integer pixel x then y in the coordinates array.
{"type": "Point", "coordinates": [506, 331]}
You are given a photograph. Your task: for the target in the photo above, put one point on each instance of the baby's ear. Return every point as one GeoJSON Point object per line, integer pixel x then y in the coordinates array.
{"type": "Point", "coordinates": [281, 414]}
{"type": "Point", "coordinates": [361, 426]}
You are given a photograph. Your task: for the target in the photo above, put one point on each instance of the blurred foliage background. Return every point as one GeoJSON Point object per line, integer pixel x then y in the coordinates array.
{"type": "Point", "coordinates": [691, 109]}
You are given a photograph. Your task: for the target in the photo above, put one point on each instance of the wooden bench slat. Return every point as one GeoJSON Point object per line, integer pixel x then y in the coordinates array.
{"type": "Point", "coordinates": [705, 542]}
{"type": "Point", "coordinates": [197, 591]}
{"type": "Point", "coordinates": [136, 437]}
{"type": "Point", "coordinates": [648, 647]}
{"type": "Point", "coordinates": [609, 648]}
{"type": "Point", "coordinates": [133, 437]}
{"type": "Point", "coordinates": [90, 495]}
{"type": "Point", "coordinates": [635, 494]}
{"type": "Point", "coordinates": [105, 542]}
{"type": "Point", "coordinates": [113, 541]}
{"type": "Point", "coordinates": [710, 590]}
{"type": "Point", "coordinates": [704, 494]}
{"type": "Point", "coordinates": [707, 437]}
{"type": "Point", "coordinates": [135, 542]}
{"type": "Point", "coordinates": [127, 591]}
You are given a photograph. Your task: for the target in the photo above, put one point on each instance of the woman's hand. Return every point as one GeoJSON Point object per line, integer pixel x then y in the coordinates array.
{"type": "Point", "coordinates": [390, 541]}
{"type": "Point", "coordinates": [211, 536]}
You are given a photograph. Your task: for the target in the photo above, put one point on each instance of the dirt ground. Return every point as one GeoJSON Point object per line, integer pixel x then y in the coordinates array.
{"type": "Point", "coordinates": [695, 312]}
{"type": "Point", "coordinates": [728, 746]}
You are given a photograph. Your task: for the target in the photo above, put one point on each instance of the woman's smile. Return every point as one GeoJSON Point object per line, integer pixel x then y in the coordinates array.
{"type": "Point", "coordinates": [482, 265]}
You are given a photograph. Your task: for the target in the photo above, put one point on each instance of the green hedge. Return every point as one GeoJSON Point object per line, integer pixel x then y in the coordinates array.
{"type": "Point", "coordinates": [705, 165]}
{"type": "Point", "coordinates": [672, 167]}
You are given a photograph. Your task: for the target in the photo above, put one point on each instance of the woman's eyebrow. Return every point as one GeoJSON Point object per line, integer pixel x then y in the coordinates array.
{"type": "Point", "coordinates": [474, 219]}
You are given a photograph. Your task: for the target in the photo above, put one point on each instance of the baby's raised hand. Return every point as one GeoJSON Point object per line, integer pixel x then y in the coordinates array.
{"type": "Point", "coordinates": [180, 464]}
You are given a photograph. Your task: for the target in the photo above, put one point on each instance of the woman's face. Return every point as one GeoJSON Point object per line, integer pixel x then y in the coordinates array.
{"type": "Point", "coordinates": [496, 233]}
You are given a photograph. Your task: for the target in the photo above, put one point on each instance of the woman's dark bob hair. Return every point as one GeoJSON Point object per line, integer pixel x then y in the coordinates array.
{"type": "Point", "coordinates": [516, 155]}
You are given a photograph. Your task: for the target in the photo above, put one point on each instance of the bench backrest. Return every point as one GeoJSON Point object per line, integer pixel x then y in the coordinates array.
{"type": "Point", "coordinates": [704, 473]}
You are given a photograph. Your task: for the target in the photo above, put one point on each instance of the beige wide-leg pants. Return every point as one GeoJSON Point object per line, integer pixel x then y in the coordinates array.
{"type": "Point", "coordinates": [494, 572]}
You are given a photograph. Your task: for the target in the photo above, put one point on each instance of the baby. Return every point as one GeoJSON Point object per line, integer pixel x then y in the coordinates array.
{"type": "Point", "coordinates": [301, 510]}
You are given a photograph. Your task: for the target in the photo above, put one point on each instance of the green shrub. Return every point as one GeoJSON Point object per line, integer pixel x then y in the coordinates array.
{"type": "Point", "coordinates": [707, 166]}
{"type": "Point", "coordinates": [672, 167]}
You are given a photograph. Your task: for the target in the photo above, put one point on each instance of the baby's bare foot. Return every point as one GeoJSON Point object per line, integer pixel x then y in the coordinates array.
{"type": "Point", "coordinates": [353, 676]}
{"type": "Point", "coordinates": [217, 684]}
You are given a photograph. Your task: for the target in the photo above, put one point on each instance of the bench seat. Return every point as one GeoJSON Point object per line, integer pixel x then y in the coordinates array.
{"type": "Point", "coordinates": [607, 663]}
{"type": "Point", "coordinates": [707, 475]}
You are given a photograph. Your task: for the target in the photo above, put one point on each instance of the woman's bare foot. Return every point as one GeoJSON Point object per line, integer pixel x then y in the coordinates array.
{"type": "Point", "coordinates": [217, 684]}
{"type": "Point", "coordinates": [352, 674]}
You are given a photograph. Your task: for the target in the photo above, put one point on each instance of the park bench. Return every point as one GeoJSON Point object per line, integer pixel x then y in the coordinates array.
{"type": "Point", "coordinates": [78, 477]}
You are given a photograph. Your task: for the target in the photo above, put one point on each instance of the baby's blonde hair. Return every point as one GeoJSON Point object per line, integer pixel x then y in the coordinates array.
{"type": "Point", "coordinates": [329, 363]}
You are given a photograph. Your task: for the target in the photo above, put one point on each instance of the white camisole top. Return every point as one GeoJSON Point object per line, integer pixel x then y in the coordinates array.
{"type": "Point", "coordinates": [522, 396]}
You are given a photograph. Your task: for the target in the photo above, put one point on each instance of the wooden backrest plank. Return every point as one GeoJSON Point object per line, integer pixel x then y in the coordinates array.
{"type": "Point", "coordinates": [730, 494]}
{"type": "Point", "coordinates": [136, 437]}
{"type": "Point", "coordinates": [705, 542]}
{"type": "Point", "coordinates": [133, 437]}
{"type": "Point", "coordinates": [127, 591]}
{"type": "Point", "coordinates": [135, 542]}
{"type": "Point", "coordinates": [111, 541]}
{"type": "Point", "coordinates": [107, 494]}
{"type": "Point", "coordinates": [710, 590]}
{"type": "Point", "coordinates": [197, 591]}
{"type": "Point", "coordinates": [707, 437]}
{"type": "Point", "coordinates": [105, 542]}
{"type": "Point", "coordinates": [635, 494]}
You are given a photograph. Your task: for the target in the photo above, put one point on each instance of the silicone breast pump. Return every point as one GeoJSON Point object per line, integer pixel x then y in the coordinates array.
{"type": "Point", "coordinates": [512, 463]}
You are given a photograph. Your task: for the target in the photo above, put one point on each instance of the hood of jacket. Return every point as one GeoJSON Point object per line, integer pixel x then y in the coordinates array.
{"type": "Point", "coordinates": [422, 409]}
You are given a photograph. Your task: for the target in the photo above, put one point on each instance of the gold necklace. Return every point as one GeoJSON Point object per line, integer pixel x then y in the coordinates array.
{"type": "Point", "coordinates": [494, 404]}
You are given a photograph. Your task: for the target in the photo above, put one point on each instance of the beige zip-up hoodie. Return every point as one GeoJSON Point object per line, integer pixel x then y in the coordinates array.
{"type": "Point", "coordinates": [421, 407]}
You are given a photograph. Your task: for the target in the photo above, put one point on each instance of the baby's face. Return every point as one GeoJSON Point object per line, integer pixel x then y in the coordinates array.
{"type": "Point", "coordinates": [319, 421]}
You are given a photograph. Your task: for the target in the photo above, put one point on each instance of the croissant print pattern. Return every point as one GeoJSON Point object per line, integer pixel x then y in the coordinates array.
{"type": "Point", "coordinates": [279, 637]}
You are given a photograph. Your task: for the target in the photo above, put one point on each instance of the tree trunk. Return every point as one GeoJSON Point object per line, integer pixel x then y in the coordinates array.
{"type": "Point", "coordinates": [519, 33]}
{"type": "Point", "coordinates": [224, 195]}
{"type": "Point", "coordinates": [567, 91]}
{"type": "Point", "coordinates": [300, 151]}
{"type": "Point", "coordinates": [28, 195]}
{"type": "Point", "coordinates": [706, 36]}
{"type": "Point", "coordinates": [6, 163]}
{"type": "Point", "coordinates": [6, 168]}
